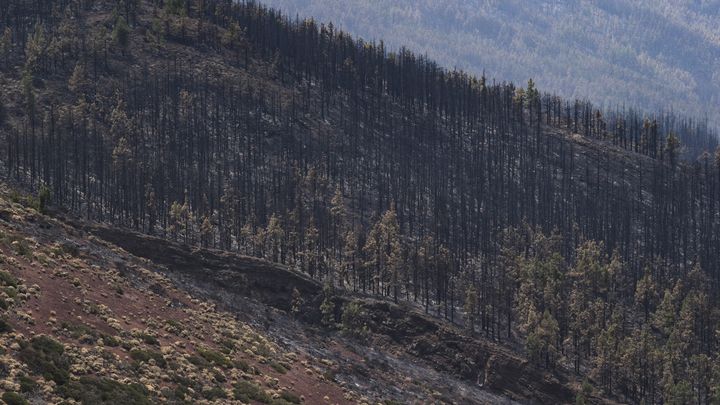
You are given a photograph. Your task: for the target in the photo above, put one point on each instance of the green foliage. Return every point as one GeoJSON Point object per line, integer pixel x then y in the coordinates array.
{"type": "Point", "coordinates": [583, 397]}
{"type": "Point", "coordinates": [215, 358]}
{"type": "Point", "coordinates": [7, 279]}
{"type": "Point", "coordinates": [280, 368]}
{"type": "Point", "coordinates": [680, 393]}
{"type": "Point", "coordinates": [198, 361]}
{"type": "Point", "coordinates": [5, 45]}
{"type": "Point", "coordinates": [280, 401]}
{"type": "Point", "coordinates": [2, 113]}
{"type": "Point", "coordinates": [29, 93]}
{"type": "Point", "coordinates": [28, 384]}
{"type": "Point", "coordinates": [242, 365]}
{"type": "Point", "coordinates": [470, 308]}
{"type": "Point", "coordinates": [5, 326]}
{"type": "Point", "coordinates": [296, 302]}
{"type": "Point", "coordinates": [214, 393]}
{"type": "Point", "coordinates": [45, 356]}
{"type": "Point", "coordinates": [13, 398]}
{"type": "Point", "coordinates": [149, 339]}
{"type": "Point", "coordinates": [247, 391]}
{"type": "Point", "coordinates": [353, 320]}
{"type": "Point", "coordinates": [672, 149]}
{"type": "Point", "coordinates": [542, 339]}
{"type": "Point", "coordinates": [327, 307]}
{"type": "Point", "coordinates": [97, 391]}
{"type": "Point", "coordinates": [44, 198]}
{"type": "Point", "coordinates": [79, 330]}
{"type": "Point", "coordinates": [121, 33]}
{"type": "Point", "coordinates": [290, 397]}
{"type": "Point", "coordinates": [144, 356]}
{"type": "Point", "coordinates": [176, 7]}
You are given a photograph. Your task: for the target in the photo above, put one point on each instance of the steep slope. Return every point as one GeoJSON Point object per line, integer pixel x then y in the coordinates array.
{"type": "Point", "coordinates": [93, 312]}
{"type": "Point", "coordinates": [391, 328]}
{"type": "Point", "coordinates": [576, 240]}
{"type": "Point", "coordinates": [83, 319]}
{"type": "Point", "coordinates": [650, 54]}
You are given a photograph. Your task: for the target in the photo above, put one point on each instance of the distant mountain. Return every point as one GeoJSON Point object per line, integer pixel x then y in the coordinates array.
{"type": "Point", "coordinates": [417, 235]}
{"type": "Point", "coordinates": [647, 53]}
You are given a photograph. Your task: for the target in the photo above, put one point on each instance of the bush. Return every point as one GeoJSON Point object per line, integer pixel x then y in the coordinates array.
{"type": "Point", "coordinates": [121, 33]}
{"type": "Point", "coordinates": [247, 391]}
{"type": "Point", "coordinates": [27, 384]}
{"type": "Point", "coordinates": [5, 326]}
{"type": "Point", "coordinates": [144, 356]}
{"type": "Point", "coordinates": [280, 368]}
{"type": "Point", "coordinates": [13, 398]}
{"type": "Point", "coordinates": [77, 331]}
{"type": "Point", "coordinates": [111, 341]}
{"type": "Point", "coordinates": [215, 358]}
{"type": "Point", "coordinates": [176, 7]}
{"type": "Point", "coordinates": [45, 356]}
{"type": "Point", "coordinates": [352, 320]}
{"type": "Point", "coordinates": [7, 279]}
{"type": "Point", "coordinates": [150, 339]}
{"type": "Point", "coordinates": [93, 391]}
{"type": "Point", "coordinates": [198, 361]}
{"type": "Point", "coordinates": [214, 393]}
{"type": "Point", "coordinates": [242, 365]}
{"type": "Point", "coordinates": [43, 199]}
{"type": "Point", "coordinates": [290, 397]}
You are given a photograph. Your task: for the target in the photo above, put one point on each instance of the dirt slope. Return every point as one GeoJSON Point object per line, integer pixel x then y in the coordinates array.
{"type": "Point", "coordinates": [95, 312]}
{"type": "Point", "coordinates": [85, 321]}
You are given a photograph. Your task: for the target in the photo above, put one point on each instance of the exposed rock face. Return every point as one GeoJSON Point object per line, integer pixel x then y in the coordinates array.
{"type": "Point", "coordinates": [429, 340]}
{"type": "Point", "coordinates": [269, 283]}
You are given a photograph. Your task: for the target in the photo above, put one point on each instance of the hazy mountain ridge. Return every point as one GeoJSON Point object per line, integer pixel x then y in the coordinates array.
{"type": "Point", "coordinates": [650, 54]}
{"type": "Point", "coordinates": [579, 241]}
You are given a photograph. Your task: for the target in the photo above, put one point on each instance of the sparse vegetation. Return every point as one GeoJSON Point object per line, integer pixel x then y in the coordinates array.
{"type": "Point", "coordinates": [7, 279]}
{"type": "Point", "coordinates": [97, 391]}
{"type": "Point", "coordinates": [290, 397]}
{"type": "Point", "coordinates": [280, 368]}
{"type": "Point", "coordinates": [352, 320]}
{"type": "Point", "coordinates": [121, 33]}
{"type": "Point", "coordinates": [5, 326]}
{"type": "Point", "coordinates": [232, 128]}
{"type": "Point", "coordinates": [111, 341]}
{"type": "Point", "coordinates": [327, 307]}
{"type": "Point", "coordinates": [27, 384]}
{"type": "Point", "coordinates": [46, 357]}
{"type": "Point", "coordinates": [144, 356]}
{"type": "Point", "coordinates": [247, 391]}
{"type": "Point", "coordinates": [149, 339]}
{"type": "Point", "coordinates": [13, 398]}
{"type": "Point", "coordinates": [214, 393]}
{"type": "Point", "coordinates": [76, 331]}
{"type": "Point", "coordinates": [215, 358]}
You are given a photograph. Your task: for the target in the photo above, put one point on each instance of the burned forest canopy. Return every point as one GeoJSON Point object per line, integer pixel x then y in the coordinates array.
{"type": "Point", "coordinates": [228, 125]}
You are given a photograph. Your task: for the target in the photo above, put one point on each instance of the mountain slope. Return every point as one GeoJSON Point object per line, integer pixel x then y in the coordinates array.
{"type": "Point", "coordinates": [649, 54]}
{"type": "Point", "coordinates": [140, 319]}
{"type": "Point", "coordinates": [86, 320]}
{"type": "Point", "coordinates": [538, 242]}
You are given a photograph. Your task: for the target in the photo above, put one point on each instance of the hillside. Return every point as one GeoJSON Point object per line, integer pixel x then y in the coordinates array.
{"type": "Point", "coordinates": [102, 315]}
{"type": "Point", "coordinates": [469, 241]}
{"type": "Point", "coordinates": [649, 54]}
{"type": "Point", "coordinates": [85, 320]}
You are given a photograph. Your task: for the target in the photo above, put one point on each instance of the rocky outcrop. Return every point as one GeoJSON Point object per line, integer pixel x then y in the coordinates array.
{"type": "Point", "coordinates": [472, 359]}
{"type": "Point", "coordinates": [269, 283]}
{"type": "Point", "coordinates": [430, 340]}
